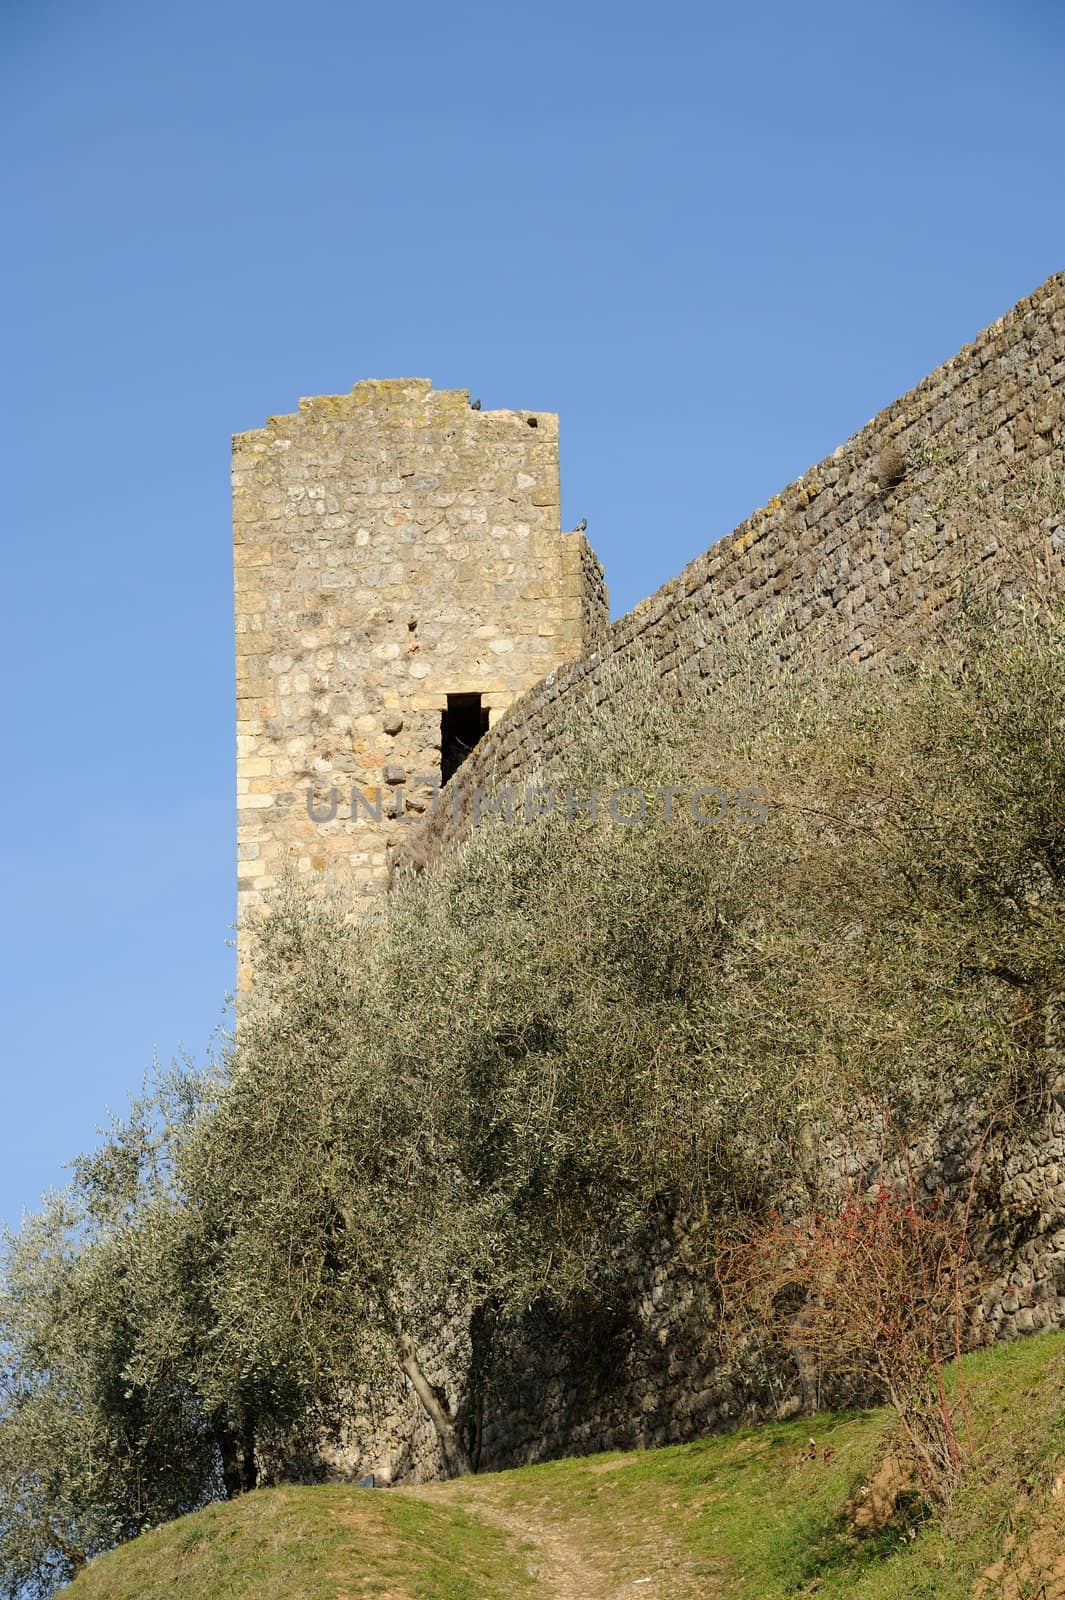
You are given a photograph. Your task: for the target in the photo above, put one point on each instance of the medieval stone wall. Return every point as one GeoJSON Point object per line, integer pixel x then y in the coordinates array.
{"type": "Point", "coordinates": [392, 546]}
{"type": "Point", "coordinates": [383, 531]}
{"type": "Point", "coordinates": [866, 553]}
{"type": "Point", "coordinates": [656, 1368]}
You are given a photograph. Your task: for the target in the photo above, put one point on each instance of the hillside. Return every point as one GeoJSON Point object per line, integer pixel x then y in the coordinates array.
{"type": "Point", "coordinates": [760, 1513]}
{"type": "Point", "coordinates": [517, 1175]}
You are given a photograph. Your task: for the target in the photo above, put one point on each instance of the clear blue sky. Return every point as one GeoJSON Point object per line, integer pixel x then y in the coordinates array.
{"type": "Point", "coordinates": [716, 239]}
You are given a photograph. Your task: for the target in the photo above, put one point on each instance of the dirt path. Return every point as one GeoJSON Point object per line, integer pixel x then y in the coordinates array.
{"type": "Point", "coordinates": [566, 1558]}
{"type": "Point", "coordinates": [562, 1565]}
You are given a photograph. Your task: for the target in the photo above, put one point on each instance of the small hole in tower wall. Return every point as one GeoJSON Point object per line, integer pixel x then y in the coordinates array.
{"type": "Point", "coordinates": [533, 422]}
{"type": "Point", "coordinates": [461, 726]}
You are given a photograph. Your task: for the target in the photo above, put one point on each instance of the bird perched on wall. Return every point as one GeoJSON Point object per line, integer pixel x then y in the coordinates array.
{"type": "Point", "coordinates": [582, 524]}
{"type": "Point", "coordinates": [475, 405]}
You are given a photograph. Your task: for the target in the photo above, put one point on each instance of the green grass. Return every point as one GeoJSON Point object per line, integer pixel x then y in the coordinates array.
{"type": "Point", "coordinates": [312, 1544]}
{"type": "Point", "coordinates": [757, 1514]}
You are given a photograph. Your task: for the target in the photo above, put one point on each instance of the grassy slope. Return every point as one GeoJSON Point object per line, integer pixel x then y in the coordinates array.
{"type": "Point", "coordinates": [755, 1514]}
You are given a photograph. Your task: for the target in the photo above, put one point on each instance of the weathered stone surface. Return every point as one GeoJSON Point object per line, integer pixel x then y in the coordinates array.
{"type": "Point", "coordinates": [391, 547]}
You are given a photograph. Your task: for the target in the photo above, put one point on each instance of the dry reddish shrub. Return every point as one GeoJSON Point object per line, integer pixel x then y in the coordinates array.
{"type": "Point", "coordinates": [875, 1293]}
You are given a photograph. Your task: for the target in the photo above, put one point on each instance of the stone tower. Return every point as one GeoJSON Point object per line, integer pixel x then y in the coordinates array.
{"type": "Point", "coordinates": [401, 577]}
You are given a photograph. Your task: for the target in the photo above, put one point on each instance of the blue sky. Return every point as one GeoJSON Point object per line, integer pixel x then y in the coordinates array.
{"type": "Point", "coordinates": [716, 239]}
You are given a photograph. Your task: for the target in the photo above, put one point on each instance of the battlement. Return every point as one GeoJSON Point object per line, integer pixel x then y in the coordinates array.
{"type": "Point", "coordinates": [407, 401]}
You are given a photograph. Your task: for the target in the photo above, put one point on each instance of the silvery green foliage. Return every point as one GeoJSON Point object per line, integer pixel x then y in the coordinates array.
{"type": "Point", "coordinates": [102, 1431]}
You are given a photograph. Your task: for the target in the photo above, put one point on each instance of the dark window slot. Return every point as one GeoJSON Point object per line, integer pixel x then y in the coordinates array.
{"type": "Point", "coordinates": [463, 723]}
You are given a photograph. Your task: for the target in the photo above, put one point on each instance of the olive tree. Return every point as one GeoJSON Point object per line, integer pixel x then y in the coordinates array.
{"type": "Point", "coordinates": [102, 1430]}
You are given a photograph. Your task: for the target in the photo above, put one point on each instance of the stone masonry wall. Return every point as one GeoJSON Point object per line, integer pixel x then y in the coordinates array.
{"type": "Point", "coordinates": [866, 553]}
{"type": "Point", "coordinates": [587, 578]}
{"type": "Point", "coordinates": [656, 1369]}
{"type": "Point", "coordinates": [392, 546]}
{"type": "Point", "coordinates": [383, 531]}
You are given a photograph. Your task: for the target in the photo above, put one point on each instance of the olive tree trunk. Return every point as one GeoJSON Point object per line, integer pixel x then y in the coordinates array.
{"type": "Point", "coordinates": [445, 1421]}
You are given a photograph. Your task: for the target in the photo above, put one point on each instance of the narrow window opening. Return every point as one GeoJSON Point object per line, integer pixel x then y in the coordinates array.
{"type": "Point", "coordinates": [461, 725]}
